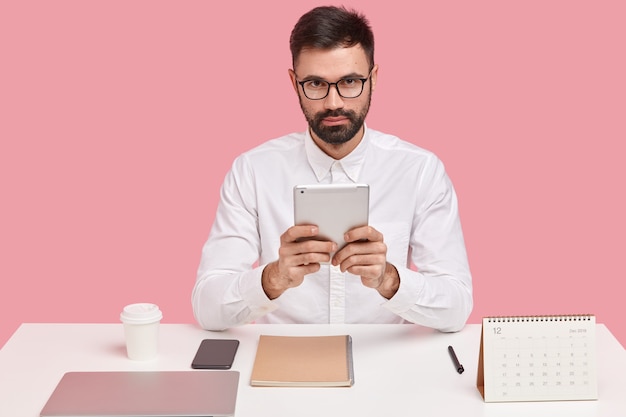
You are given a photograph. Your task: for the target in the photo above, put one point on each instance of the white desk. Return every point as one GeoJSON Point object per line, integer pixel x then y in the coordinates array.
{"type": "Point", "coordinates": [400, 370]}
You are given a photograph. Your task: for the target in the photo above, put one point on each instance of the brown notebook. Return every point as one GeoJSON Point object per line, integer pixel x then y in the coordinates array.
{"type": "Point", "coordinates": [303, 361]}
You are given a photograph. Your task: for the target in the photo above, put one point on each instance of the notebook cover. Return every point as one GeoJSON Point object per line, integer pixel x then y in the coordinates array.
{"type": "Point", "coordinates": [303, 361]}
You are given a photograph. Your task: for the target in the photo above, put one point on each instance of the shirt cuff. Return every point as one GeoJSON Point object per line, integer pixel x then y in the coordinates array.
{"type": "Point", "coordinates": [254, 297]}
{"type": "Point", "coordinates": [410, 286]}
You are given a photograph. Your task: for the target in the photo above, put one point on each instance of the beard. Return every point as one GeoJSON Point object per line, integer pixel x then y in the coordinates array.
{"type": "Point", "coordinates": [336, 135]}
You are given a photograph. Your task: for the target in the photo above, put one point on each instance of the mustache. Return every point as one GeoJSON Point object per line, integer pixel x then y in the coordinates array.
{"type": "Point", "coordinates": [335, 113]}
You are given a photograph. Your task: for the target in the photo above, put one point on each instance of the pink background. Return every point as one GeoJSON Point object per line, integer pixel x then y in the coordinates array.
{"type": "Point", "coordinates": [119, 119]}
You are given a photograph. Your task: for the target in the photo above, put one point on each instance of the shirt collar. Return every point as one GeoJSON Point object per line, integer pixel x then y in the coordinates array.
{"type": "Point", "coordinates": [321, 163]}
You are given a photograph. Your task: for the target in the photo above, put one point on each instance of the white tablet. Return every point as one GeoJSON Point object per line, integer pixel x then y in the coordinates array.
{"type": "Point", "coordinates": [333, 208]}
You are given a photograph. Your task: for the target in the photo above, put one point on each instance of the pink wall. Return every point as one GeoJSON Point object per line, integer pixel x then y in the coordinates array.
{"type": "Point", "coordinates": [119, 119]}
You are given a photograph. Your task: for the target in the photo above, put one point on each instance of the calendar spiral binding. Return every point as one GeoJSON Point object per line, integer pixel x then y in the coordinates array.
{"type": "Point", "coordinates": [540, 318]}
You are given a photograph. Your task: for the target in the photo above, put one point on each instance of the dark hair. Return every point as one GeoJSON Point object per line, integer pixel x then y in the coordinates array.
{"type": "Point", "coordinates": [329, 27]}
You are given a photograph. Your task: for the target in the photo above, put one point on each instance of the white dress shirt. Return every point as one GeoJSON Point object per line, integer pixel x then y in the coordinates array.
{"type": "Point", "coordinates": [412, 203]}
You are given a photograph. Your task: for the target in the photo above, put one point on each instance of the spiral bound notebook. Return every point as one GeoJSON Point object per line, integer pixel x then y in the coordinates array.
{"type": "Point", "coordinates": [303, 361]}
{"type": "Point", "coordinates": [538, 358]}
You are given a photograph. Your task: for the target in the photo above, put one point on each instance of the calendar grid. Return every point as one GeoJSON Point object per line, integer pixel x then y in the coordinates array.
{"type": "Point", "coordinates": [538, 358]}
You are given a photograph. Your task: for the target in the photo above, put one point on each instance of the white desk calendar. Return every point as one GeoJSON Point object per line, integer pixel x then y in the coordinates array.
{"type": "Point", "coordinates": [538, 358]}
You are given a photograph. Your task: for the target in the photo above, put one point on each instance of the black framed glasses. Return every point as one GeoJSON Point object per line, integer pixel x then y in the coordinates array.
{"type": "Point", "coordinates": [349, 87]}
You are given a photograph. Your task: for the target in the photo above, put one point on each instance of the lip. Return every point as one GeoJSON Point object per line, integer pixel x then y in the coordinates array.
{"type": "Point", "coordinates": [333, 121]}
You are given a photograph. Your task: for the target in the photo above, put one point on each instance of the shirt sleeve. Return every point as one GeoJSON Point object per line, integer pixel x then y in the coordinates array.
{"type": "Point", "coordinates": [439, 293]}
{"type": "Point", "coordinates": [228, 289]}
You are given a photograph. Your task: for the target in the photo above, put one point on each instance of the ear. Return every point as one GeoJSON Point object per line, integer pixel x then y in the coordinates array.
{"type": "Point", "coordinates": [294, 82]}
{"type": "Point", "coordinates": [374, 77]}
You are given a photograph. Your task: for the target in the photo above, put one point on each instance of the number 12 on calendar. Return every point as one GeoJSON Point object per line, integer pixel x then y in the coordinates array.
{"type": "Point", "coordinates": [537, 358]}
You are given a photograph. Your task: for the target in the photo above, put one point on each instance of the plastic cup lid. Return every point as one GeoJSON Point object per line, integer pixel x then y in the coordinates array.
{"type": "Point", "coordinates": [141, 313]}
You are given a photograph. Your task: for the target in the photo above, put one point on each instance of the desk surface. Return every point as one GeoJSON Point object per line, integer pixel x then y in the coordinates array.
{"type": "Point", "coordinates": [400, 370]}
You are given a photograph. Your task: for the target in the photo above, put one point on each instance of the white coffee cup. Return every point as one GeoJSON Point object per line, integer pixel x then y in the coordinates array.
{"type": "Point", "coordinates": [141, 329]}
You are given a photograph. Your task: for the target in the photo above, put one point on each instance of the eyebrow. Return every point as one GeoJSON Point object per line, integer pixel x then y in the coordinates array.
{"type": "Point", "coordinates": [317, 78]}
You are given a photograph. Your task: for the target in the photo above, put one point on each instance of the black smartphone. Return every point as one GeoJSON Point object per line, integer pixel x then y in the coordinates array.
{"type": "Point", "coordinates": [215, 354]}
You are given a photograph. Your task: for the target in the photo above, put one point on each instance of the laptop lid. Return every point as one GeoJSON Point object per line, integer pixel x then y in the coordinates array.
{"type": "Point", "coordinates": [160, 393]}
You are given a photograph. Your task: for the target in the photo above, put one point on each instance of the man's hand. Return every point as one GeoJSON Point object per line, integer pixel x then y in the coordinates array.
{"type": "Point", "coordinates": [296, 258]}
{"type": "Point", "coordinates": [366, 255]}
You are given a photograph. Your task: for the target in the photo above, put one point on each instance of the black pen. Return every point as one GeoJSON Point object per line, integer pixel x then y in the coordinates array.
{"type": "Point", "coordinates": [455, 360]}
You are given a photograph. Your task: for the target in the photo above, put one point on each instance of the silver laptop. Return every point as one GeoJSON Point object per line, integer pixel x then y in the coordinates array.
{"type": "Point", "coordinates": [159, 393]}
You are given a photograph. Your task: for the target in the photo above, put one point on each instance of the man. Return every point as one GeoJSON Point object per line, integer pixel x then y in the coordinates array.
{"type": "Point", "coordinates": [255, 268]}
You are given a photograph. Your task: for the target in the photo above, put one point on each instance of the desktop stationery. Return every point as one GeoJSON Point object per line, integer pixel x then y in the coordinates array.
{"type": "Point", "coordinates": [538, 358]}
{"type": "Point", "coordinates": [303, 361]}
{"type": "Point", "coordinates": [400, 370]}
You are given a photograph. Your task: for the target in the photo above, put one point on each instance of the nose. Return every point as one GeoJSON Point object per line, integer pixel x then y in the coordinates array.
{"type": "Point", "coordinates": [333, 100]}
